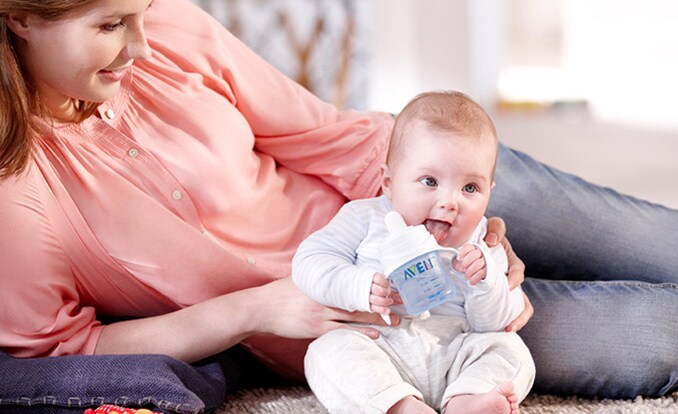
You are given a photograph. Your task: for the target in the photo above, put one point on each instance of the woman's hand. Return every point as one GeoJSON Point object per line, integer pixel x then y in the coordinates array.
{"type": "Point", "coordinates": [496, 234]}
{"type": "Point", "coordinates": [522, 319]}
{"type": "Point", "coordinates": [286, 311]}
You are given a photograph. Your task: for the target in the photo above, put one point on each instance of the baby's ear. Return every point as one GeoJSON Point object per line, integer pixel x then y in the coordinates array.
{"type": "Point", "coordinates": [385, 180]}
{"type": "Point", "coordinates": [493, 184]}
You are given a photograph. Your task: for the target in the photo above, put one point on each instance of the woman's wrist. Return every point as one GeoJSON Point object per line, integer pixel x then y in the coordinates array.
{"type": "Point", "coordinates": [254, 311]}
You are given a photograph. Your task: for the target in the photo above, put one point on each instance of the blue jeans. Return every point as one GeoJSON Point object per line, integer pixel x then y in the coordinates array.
{"type": "Point", "coordinates": [602, 276]}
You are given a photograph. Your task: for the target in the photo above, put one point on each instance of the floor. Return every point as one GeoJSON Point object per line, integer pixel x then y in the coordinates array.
{"type": "Point", "coordinates": [634, 161]}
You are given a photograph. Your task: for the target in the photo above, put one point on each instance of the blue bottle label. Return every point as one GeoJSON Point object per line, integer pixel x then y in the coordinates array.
{"type": "Point", "coordinates": [423, 283]}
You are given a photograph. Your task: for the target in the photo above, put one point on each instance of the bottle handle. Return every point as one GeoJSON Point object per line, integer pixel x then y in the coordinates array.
{"type": "Point", "coordinates": [448, 255]}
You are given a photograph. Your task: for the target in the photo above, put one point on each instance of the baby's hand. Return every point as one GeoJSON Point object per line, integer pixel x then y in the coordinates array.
{"type": "Point", "coordinates": [471, 262]}
{"type": "Point", "coordinates": [380, 295]}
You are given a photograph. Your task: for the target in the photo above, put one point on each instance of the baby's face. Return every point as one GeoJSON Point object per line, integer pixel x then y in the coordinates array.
{"type": "Point", "coordinates": [441, 180]}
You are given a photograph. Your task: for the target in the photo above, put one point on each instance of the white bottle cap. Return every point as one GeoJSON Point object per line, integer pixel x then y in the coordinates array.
{"type": "Point", "coordinates": [403, 242]}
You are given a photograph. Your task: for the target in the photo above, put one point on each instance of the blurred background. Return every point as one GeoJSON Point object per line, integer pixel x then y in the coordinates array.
{"type": "Point", "coordinates": [587, 86]}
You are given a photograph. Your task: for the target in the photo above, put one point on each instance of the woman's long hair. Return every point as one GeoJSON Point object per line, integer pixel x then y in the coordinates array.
{"type": "Point", "coordinates": [19, 102]}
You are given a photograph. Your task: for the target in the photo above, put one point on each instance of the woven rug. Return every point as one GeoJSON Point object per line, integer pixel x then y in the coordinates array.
{"type": "Point", "coordinates": [300, 400]}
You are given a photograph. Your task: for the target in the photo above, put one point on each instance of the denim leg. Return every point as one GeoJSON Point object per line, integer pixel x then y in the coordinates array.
{"type": "Point", "coordinates": [610, 331]}
{"type": "Point", "coordinates": [565, 228]}
{"type": "Point", "coordinates": [605, 339]}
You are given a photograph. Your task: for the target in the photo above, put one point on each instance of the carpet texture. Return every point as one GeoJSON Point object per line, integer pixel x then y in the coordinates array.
{"type": "Point", "coordinates": [300, 400]}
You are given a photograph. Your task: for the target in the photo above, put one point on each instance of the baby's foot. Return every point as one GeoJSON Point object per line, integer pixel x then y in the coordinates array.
{"type": "Point", "coordinates": [411, 405]}
{"type": "Point", "coordinates": [500, 400]}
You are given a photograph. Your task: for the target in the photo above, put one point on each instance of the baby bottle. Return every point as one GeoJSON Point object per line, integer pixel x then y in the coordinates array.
{"type": "Point", "coordinates": [416, 265]}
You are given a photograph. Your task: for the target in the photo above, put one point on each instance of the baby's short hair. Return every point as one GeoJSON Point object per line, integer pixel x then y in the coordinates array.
{"type": "Point", "coordinates": [450, 111]}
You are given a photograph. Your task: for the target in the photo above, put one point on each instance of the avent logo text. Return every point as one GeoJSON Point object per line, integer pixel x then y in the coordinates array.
{"type": "Point", "coordinates": [418, 268]}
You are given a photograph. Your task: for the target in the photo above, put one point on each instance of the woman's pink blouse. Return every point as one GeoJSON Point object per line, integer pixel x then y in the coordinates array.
{"type": "Point", "coordinates": [199, 178]}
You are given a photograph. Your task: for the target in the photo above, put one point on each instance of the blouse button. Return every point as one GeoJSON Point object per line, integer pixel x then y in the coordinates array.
{"type": "Point", "coordinates": [176, 194]}
{"type": "Point", "coordinates": [251, 260]}
{"type": "Point", "coordinates": [133, 152]}
{"type": "Point", "coordinates": [110, 114]}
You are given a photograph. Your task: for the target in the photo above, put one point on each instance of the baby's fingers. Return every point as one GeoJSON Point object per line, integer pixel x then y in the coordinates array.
{"type": "Point", "coordinates": [380, 280]}
{"type": "Point", "coordinates": [468, 254]}
{"type": "Point", "coordinates": [380, 286]}
{"type": "Point", "coordinates": [476, 272]}
{"type": "Point", "coordinates": [397, 299]}
{"type": "Point", "coordinates": [381, 300]}
{"type": "Point", "coordinates": [464, 250]}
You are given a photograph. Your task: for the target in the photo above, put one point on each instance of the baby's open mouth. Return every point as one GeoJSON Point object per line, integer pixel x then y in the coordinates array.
{"type": "Point", "coordinates": [439, 229]}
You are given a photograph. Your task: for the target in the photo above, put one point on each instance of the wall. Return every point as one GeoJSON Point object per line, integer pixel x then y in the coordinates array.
{"type": "Point", "coordinates": [619, 56]}
{"type": "Point", "coordinates": [430, 44]}
{"type": "Point", "coordinates": [416, 46]}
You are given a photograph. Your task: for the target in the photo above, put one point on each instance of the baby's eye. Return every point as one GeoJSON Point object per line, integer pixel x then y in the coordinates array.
{"type": "Point", "coordinates": [429, 181]}
{"type": "Point", "coordinates": [470, 188]}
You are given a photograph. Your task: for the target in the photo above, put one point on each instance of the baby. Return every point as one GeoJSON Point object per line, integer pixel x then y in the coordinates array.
{"type": "Point", "coordinates": [455, 358]}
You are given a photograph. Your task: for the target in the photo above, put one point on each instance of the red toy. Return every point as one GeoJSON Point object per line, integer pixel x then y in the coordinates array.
{"type": "Point", "coordinates": [114, 409]}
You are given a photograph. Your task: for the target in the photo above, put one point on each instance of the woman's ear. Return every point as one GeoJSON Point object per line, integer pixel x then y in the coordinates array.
{"type": "Point", "coordinates": [385, 180]}
{"type": "Point", "coordinates": [19, 24]}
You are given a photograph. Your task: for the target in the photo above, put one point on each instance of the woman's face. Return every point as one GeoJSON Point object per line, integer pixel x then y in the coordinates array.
{"type": "Point", "coordinates": [84, 55]}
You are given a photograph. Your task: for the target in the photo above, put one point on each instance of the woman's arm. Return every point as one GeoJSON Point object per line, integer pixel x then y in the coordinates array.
{"type": "Point", "coordinates": [289, 123]}
{"type": "Point", "coordinates": [193, 333]}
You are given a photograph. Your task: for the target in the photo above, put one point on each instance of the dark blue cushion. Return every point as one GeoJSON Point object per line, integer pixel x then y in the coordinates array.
{"type": "Point", "coordinates": [71, 384]}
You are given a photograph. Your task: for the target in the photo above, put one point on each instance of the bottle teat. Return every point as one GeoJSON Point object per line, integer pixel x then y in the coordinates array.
{"type": "Point", "coordinates": [403, 242]}
{"type": "Point", "coordinates": [395, 223]}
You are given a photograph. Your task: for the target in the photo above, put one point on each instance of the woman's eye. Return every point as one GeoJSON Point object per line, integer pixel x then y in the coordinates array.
{"type": "Point", "coordinates": [470, 188]}
{"type": "Point", "coordinates": [112, 27]}
{"type": "Point", "coordinates": [429, 181]}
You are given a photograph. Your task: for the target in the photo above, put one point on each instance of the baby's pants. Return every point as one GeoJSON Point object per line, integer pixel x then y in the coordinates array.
{"type": "Point", "coordinates": [429, 358]}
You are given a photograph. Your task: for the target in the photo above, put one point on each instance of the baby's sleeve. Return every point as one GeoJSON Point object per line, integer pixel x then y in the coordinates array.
{"type": "Point", "coordinates": [324, 266]}
{"type": "Point", "coordinates": [490, 305]}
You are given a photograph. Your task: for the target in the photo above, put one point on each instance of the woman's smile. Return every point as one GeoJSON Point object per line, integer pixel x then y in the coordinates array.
{"type": "Point", "coordinates": [114, 75]}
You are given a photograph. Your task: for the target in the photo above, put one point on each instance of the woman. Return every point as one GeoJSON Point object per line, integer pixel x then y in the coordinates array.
{"type": "Point", "coordinates": [177, 185]}
{"type": "Point", "coordinates": [169, 174]}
